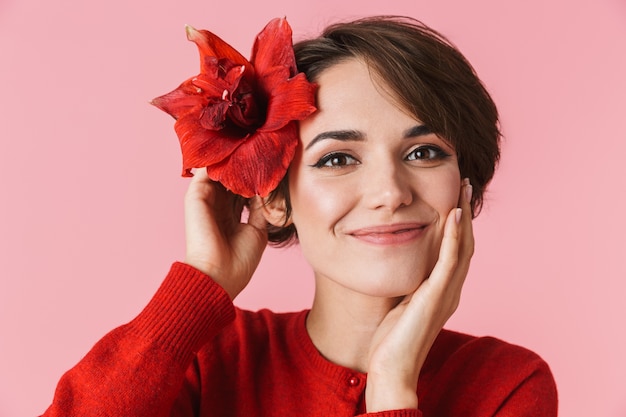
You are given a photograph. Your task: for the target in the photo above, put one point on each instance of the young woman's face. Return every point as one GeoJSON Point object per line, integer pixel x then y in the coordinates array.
{"type": "Point", "coordinates": [370, 187]}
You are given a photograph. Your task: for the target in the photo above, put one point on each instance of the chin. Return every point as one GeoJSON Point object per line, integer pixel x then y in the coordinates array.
{"type": "Point", "coordinates": [397, 282]}
{"type": "Point", "coordinates": [394, 284]}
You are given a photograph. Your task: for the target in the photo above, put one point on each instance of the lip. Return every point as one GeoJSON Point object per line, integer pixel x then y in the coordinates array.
{"type": "Point", "coordinates": [392, 234]}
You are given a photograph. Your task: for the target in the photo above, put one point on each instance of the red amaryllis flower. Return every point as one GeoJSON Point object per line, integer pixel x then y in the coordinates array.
{"type": "Point", "coordinates": [237, 117]}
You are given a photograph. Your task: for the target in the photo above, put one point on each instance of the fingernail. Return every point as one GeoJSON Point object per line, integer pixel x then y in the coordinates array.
{"type": "Point", "coordinates": [458, 214]}
{"type": "Point", "coordinates": [466, 181]}
{"type": "Point", "coordinates": [468, 193]}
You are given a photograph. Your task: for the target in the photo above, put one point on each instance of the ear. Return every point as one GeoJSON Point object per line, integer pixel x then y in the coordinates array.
{"type": "Point", "coordinates": [275, 211]}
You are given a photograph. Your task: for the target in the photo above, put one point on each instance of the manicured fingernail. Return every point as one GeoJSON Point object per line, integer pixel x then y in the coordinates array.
{"type": "Point", "coordinates": [458, 214]}
{"type": "Point", "coordinates": [468, 193]}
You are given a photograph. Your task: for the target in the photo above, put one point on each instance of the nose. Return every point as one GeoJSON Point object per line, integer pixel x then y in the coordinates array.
{"type": "Point", "coordinates": [387, 188]}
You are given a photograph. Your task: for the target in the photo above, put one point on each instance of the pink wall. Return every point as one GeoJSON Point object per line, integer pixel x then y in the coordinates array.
{"type": "Point", "coordinates": [91, 212]}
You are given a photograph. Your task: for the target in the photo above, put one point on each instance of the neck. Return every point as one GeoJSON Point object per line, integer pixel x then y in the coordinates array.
{"type": "Point", "coordinates": [342, 323]}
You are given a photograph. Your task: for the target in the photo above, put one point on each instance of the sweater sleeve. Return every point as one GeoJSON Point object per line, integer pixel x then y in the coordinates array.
{"type": "Point", "coordinates": [138, 369]}
{"type": "Point", "coordinates": [485, 377]}
{"type": "Point", "coordinates": [535, 396]}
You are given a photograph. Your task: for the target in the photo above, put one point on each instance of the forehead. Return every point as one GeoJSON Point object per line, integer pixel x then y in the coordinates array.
{"type": "Point", "coordinates": [351, 96]}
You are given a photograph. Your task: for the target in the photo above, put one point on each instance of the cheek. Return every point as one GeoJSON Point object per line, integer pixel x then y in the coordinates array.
{"type": "Point", "coordinates": [317, 202]}
{"type": "Point", "coordinates": [316, 205]}
{"type": "Point", "coordinates": [444, 195]}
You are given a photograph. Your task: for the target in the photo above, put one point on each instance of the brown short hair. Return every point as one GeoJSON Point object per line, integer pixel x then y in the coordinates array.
{"type": "Point", "coordinates": [430, 78]}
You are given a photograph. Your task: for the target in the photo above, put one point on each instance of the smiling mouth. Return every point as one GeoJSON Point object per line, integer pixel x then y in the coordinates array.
{"type": "Point", "coordinates": [389, 235]}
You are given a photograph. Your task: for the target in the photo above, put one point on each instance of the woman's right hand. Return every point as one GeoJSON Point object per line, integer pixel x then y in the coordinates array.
{"type": "Point", "coordinates": [404, 338]}
{"type": "Point", "coordinates": [218, 243]}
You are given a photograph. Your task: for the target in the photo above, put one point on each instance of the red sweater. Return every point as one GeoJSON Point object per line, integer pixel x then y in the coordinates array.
{"type": "Point", "coordinates": [190, 352]}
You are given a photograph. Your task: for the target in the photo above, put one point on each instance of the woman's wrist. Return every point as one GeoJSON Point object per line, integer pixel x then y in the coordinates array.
{"type": "Point", "coordinates": [228, 286]}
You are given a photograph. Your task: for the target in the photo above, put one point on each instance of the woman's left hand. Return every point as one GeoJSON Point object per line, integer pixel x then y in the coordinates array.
{"type": "Point", "coordinates": [404, 338]}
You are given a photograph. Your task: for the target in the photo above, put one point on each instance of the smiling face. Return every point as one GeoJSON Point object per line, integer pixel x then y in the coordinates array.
{"type": "Point", "coordinates": [370, 187]}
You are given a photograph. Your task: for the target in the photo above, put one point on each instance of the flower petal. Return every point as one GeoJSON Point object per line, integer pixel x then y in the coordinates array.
{"type": "Point", "coordinates": [180, 101]}
{"type": "Point", "coordinates": [289, 100]}
{"type": "Point", "coordinates": [202, 147]}
{"type": "Point", "coordinates": [258, 164]}
{"type": "Point", "coordinates": [238, 118]}
{"type": "Point", "coordinates": [274, 60]}
{"type": "Point", "coordinates": [211, 45]}
{"type": "Point", "coordinates": [273, 48]}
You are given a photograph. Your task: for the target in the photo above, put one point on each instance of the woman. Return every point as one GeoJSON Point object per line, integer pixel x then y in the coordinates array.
{"type": "Point", "coordinates": [383, 182]}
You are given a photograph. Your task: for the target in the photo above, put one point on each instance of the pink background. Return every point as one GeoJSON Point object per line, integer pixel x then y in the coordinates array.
{"type": "Point", "coordinates": [91, 211]}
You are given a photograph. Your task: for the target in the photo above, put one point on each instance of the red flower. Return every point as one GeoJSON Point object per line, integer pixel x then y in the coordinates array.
{"type": "Point", "coordinates": [237, 117]}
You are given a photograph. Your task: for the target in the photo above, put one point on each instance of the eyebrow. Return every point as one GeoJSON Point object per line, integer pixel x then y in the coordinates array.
{"type": "Point", "coordinates": [355, 135]}
{"type": "Point", "coordinates": [341, 135]}
{"type": "Point", "coordinates": [416, 131]}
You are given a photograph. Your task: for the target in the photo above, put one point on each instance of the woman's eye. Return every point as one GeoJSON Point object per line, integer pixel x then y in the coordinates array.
{"type": "Point", "coordinates": [335, 160]}
{"type": "Point", "coordinates": [427, 153]}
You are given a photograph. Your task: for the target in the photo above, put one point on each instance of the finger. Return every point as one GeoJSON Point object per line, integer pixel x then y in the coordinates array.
{"type": "Point", "coordinates": [200, 176]}
{"type": "Point", "coordinates": [198, 216]}
{"type": "Point", "coordinates": [200, 187]}
{"type": "Point", "coordinates": [256, 217]}
{"type": "Point", "coordinates": [449, 250]}
{"type": "Point", "coordinates": [446, 265]}
{"type": "Point", "coordinates": [466, 232]}
{"type": "Point", "coordinates": [234, 211]}
{"type": "Point", "coordinates": [201, 211]}
{"type": "Point", "coordinates": [460, 243]}
{"type": "Point", "coordinates": [457, 245]}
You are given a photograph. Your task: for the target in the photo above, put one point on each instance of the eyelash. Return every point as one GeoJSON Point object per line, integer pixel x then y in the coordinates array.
{"type": "Point", "coordinates": [436, 152]}
{"type": "Point", "coordinates": [324, 160]}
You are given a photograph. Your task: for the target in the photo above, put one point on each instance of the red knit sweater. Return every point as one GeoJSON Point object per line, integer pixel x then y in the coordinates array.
{"type": "Point", "coordinates": [191, 353]}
